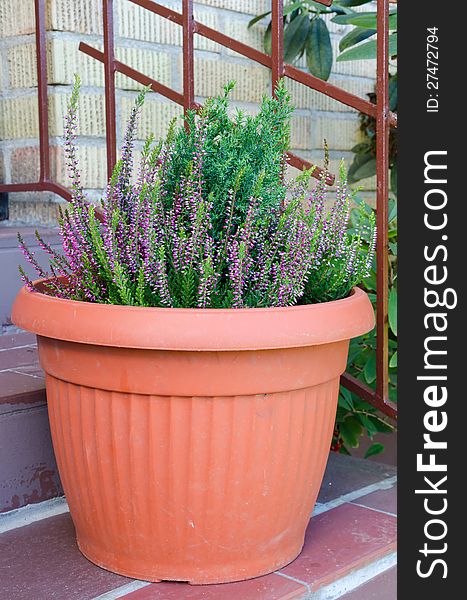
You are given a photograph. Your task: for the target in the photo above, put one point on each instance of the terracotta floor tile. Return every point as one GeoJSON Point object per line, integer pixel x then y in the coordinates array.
{"type": "Point", "coordinates": [270, 587]}
{"type": "Point", "coordinates": [341, 540]}
{"type": "Point", "coordinates": [381, 500]}
{"type": "Point", "coordinates": [42, 562]}
{"type": "Point", "coordinates": [382, 587]}
{"type": "Point", "coordinates": [346, 474]}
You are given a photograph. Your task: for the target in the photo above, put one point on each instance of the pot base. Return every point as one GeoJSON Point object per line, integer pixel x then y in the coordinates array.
{"type": "Point", "coordinates": [225, 573]}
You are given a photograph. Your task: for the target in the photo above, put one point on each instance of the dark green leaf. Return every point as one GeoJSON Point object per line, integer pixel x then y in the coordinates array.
{"type": "Point", "coordinates": [374, 449]}
{"type": "Point", "coordinates": [367, 50]}
{"type": "Point", "coordinates": [381, 426]}
{"type": "Point", "coordinates": [394, 178]}
{"type": "Point", "coordinates": [364, 169]}
{"type": "Point", "coordinates": [392, 210]}
{"type": "Point", "coordinates": [362, 148]}
{"type": "Point", "coordinates": [367, 424]}
{"type": "Point", "coordinates": [370, 368]}
{"type": "Point", "coordinates": [319, 49]}
{"type": "Point", "coordinates": [348, 3]}
{"type": "Point", "coordinates": [364, 19]}
{"type": "Point", "coordinates": [351, 430]}
{"type": "Point", "coordinates": [267, 39]}
{"type": "Point", "coordinates": [255, 20]}
{"type": "Point", "coordinates": [393, 93]}
{"type": "Point", "coordinates": [291, 7]}
{"type": "Point", "coordinates": [295, 36]}
{"type": "Point", "coordinates": [370, 281]}
{"type": "Point", "coordinates": [392, 310]}
{"type": "Point", "coordinates": [355, 36]}
{"type": "Point", "coordinates": [345, 399]}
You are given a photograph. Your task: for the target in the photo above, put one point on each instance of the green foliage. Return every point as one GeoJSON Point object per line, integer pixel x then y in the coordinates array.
{"type": "Point", "coordinates": [306, 33]}
{"type": "Point", "coordinates": [242, 153]}
{"type": "Point", "coordinates": [364, 162]}
{"type": "Point", "coordinates": [207, 220]}
{"type": "Point", "coordinates": [355, 417]}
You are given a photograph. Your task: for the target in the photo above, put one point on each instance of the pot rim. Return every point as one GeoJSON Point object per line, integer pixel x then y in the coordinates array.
{"type": "Point", "coordinates": [193, 329]}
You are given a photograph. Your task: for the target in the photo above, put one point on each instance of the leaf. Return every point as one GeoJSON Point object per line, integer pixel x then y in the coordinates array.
{"type": "Point", "coordinates": [267, 39]}
{"type": "Point", "coordinates": [382, 427]}
{"type": "Point", "coordinates": [367, 50]}
{"type": "Point", "coordinates": [355, 36]}
{"type": "Point", "coordinates": [319, 49]}
{"type": "Point", "coordinates": [295, 36]}
{"type": "Point", "coordinates": [362, 148]}
{"type": "Point", "coordinates": [394, 178]}
{"type": "Point", "coordinates": [392, 210]}
{"type": "Point", "coordinates": [393, 93]}
{"type": "Point", "coordinates": [392, 310]}
{"type": "Point", "coordinates": [374, 449]}
{"type": "Point", "coordinates": [291, 7]}
{"type": "Point", "coordinates": [367, 20]}
{"type": "Point", "coordinates": [349, 3]}
{"type": "Point", "coordinates": [393, 361]}
{"type": "Point", "coordinates": [363, 169]}
{"type": "Point", "coordinates": [370, 368]}
{"type": "Point", "coordinates": [255, 20]}
{"type": "Point", "coordinates": [345, 399]}
{"type": "Point", "coordinates": [350, 430]}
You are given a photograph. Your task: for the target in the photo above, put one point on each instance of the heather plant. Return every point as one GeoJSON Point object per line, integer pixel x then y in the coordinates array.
{"type": "Point", "coordinates": [205, 220]}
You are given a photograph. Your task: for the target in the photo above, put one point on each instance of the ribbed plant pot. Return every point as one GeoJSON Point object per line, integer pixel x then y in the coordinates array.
{"type": "Point", "coordinates": [191, 443]}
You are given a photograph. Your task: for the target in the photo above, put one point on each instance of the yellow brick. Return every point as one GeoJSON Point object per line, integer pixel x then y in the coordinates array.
{"type": "Point", "coordinates": [82, 16]}
{"type": "Point", "coordinates": [341, 134]}
{"type": "Point", "coordinates": [16, 17]}
{"type": "Point", "coordinates": [252, 83]}
{"type": "Point", "coordinates": [253, 7]}
{"type": "Point", "coordinates": [304, 97]}
{"type": "Point", "coordinates": [301, 132]}
{"type": "Point", "coordinates": [155, 116]}
{"type": "Point", "coordinates": [24, 164]}
{"type": "Point", "coordinates": [137, 23]}
{"type": "Point", "coordinates": [91, 114]}
{"type": "Point", "coordinates": [2, 167]}
{"type": "Point", "coordinates": [238, 30]}
{"type": "Point", "coordinates": [19, 118]}
{"type": "Point", "coordinates": [28, 209]}
{"type": "Point", "coordinates": [92, 164]}
{"type": "Point", "coordinates": [154, 64]}
{"type": "Point", "coordinates": [68, 60]}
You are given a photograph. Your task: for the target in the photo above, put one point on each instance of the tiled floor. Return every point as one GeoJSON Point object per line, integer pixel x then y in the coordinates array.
{"type": "Point", "coordinates": [350, 542]}
{"type": "Point", "coordinates": [343, 544]}
{"type": "Point", "coordinates": [21, 379]}
{"type": "Point", "coordinates": [28, 472]}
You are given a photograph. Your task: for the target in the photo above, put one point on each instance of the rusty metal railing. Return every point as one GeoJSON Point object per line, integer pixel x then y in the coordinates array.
{"type": "Point", "coordinates": [275, 61]}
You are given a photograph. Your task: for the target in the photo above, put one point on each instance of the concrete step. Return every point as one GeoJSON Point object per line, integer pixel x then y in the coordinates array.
{"type": "Point", "coordinates": [349, 551]}
{"type": "Point", "coordinates": [28, 472]}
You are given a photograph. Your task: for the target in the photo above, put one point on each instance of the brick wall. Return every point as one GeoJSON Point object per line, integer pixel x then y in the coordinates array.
{"type": "Point", "coordinates": [152, 45]}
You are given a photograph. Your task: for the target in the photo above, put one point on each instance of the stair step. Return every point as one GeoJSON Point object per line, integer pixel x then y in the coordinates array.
{"type": "Point", "coordinates": [28, 471]}
{"type": "Point", "coordinates": [350, 543]}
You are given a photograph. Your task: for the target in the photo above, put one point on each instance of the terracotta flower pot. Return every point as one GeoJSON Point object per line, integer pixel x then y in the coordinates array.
{"type": "Point", "coordinates": [191, 443]}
